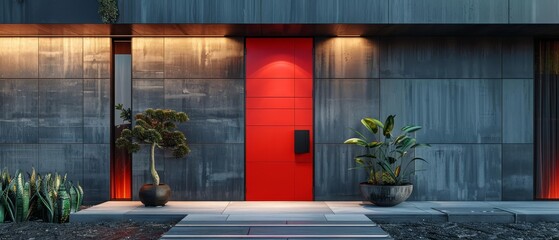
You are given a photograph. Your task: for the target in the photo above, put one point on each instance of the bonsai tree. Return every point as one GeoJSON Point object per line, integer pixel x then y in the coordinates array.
{"type": "Point", "coordinates": [156, 127]}
{"type": "Point", "coordinates": [383, 158]}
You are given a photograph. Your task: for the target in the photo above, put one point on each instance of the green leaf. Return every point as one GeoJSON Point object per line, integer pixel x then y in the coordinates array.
{"type": "Point", "coordinates": [358, 133]}
{"type": "Point", "coordinates": [388, 126]}
{"type": "Point", "coordinates": [374, 144]}
{"type": "Point", "coordinates": [356, 141]}
{"type": "Point", "coordinates": [370, 124]}
{"type": "Point", "coordinates": [410, 128]}
{"type": "Point", "coordinates": [420, 145]}
{"type": "Point", "coordinates": [397, 173]}
{"type": "Point", "coordinates": [367, 156]}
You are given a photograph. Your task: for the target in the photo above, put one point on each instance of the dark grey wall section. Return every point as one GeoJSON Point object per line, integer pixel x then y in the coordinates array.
{"type": "Point", "coordinates": [472, 95]}
{"type": "Point", "coordinates": [203, 77]}
{"type": "Point", "coordinates": [459, 172]}
{"type": "Point", "coordinates": [340, 104]}
{"type": "Point", "coordinates": [440, 58]}
{"type": "Point", "coordinates": [450, 110]}
{"type": "Point", "coordinates": [518, 57]}
{"type": "Point", "coordinates": [346, 58]}
{"type": "Point", "coordinates": [518, 110]}
{"type": "Point", "coordinates": [19, 156]}
{"type": "Point", "coordinates": [55, 98]}
{"type": "Point", "coordinates": [518, 171]}
{"type": "Point", "coordinates": [60, 110]}
{"type": "Point", "coordinates": [215, 107]}
{"type": "Point", "coordinates": [53, 11]}
{"type": "Point", "coordinates": [533, 11]}
{"type": "Point", "coordinates": [444, 11]}
{"type": "Point", "coordinates": [333, 179]}
{"type": "Point", "coordinates": [18, 111]}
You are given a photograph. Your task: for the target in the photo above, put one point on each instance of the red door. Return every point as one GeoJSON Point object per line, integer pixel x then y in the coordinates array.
{"type": "Point", "coordinates": [279, 77]}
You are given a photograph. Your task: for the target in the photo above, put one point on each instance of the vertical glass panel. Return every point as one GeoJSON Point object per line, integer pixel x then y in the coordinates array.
{"type": "Point", "coordinates": [123, 83]}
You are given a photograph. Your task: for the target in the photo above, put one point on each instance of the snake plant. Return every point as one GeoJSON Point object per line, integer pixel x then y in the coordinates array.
{"type": "Point", "coordinates": [383, 157]}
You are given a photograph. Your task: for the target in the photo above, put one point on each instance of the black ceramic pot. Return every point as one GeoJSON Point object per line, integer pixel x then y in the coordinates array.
{"type": "Point", "coordinates": [385, 195]}
{"type": "Point", "coordinates": [154, 196]}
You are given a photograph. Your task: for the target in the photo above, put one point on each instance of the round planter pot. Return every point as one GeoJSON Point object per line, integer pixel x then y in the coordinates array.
{"type": "Point", "coordinates": [154, 196]}
{"type": "Point", "coordinates": [385, 195]}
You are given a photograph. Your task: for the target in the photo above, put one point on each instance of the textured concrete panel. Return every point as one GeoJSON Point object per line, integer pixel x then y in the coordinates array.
{"type": "Point", "coordinates": [147, 93]}
{"type": "Point", "coordinates": [96, 57]}
{"type": "Point", "coordinates": [19, 57]}
{"type": "Point", "coordinates": [518, 172]}
{"type": "Point", "coordinates": [148, 60]}
{"type": "Point", "coordinates": [96, 110]}
{"type": "Point", "coordinates": [458, 172]}
{"type": "Point", "coordinates": [346, 58]}
{"type": "Point", "coordinates": [332, 178]}
{"type": "Point", "coordinates": [65, 11]}
{"type": "Point", "coordinates": [19, 156]}
{"type": "Point", "coordinates": [518, 57]}
{"type": "Point", "coordinates": [534, 11]}
{"type": "Point", "coordinates": [324, 11]}
{"type": "Point", "coordinates": [140, 169]}
{"type": "Point", "coordinates": [96, 163]}
{"type": "Point", "coordinates": [232, 11]}
{"type": "Point", "coordinates": [215, 108]}
{"type": "Point", "coordinates": [450, 110]}
{"type": "Point", "coordinates": [18, 111]}
{"type": "Point", "coordinates": [426, 57]}
{"type": "Point", "coordinates": [518, 110]}
{"type": "Point", "coordinates": [340, 104]}
{"type": "Point", "coordinates": [62, 158]}
{"type": "Point", "coordinates": [204, 58]}
{"type": "Point", "coordinates": [209, 172]}
{"type": "Point", "coordinates": [60, 57]}
{"type": "Point", "coordinates": [60, 110]}
{"type": "Point", "coordinates": [444, 11]}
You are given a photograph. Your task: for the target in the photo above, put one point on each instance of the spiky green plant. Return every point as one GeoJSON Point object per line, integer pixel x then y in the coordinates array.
{"type": "Point", "coordinates": [156, 127]}
{"type": "Point", "coordinates": [383, 158]}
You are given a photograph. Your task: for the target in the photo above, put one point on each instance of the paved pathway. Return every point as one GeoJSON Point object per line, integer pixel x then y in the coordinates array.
{"type": "Point", "coordinates": [310, 219]}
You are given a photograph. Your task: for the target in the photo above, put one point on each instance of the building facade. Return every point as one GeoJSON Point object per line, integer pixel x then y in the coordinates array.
{"type": "Point", "coordinates": [478, 75]}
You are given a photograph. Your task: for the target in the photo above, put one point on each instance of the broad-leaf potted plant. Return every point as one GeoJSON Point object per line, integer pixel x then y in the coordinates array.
{"type": "Point", "coordinates": [388, 183]}
{"type": "Point", "coordinates": [156, 128]}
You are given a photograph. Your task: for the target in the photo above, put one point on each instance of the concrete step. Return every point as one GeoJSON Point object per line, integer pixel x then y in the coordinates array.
{"type": "Point", "coordinates": [347, 226]}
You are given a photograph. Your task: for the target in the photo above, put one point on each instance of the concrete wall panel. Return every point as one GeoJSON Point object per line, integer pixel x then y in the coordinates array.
{"type": "Point", "coordinates": [60, 110]}
{"type": "Point", "coordinates": [204, 58]}
{"type": "Point", "coordinates": [444, 11]}
{"type": "Point", "coordinates": [96, 165]}
{"type": "Point", "coordinates": [149, 56]}
{"type": "Point", "coordinates": [332, 177]}
{"type": "Point", "coordinates": [346, 58]}
{"type": "Point", "coordinates": [60, 57]}
{"type": "Point", "coordinates": [21, 157]}
{"type": "Point", "coordinates": [18, 110]}
{"type": "Point", "coordinates": [440, 57]}
{"type": "Point", "coordinates": [450, 110]}
{"type": "Point", "coordinates": [96, 57]}
{"type": "Point", "coordinates": [518, 110]}
{"type": "Point", "coordinates": [518, 57]}
{"type": "Point", "coordinates": [459, 172]}
{"type": "Point", "coordinates": [518, 172]}
{"type": "Point", "coordinates": [215, 108]}
{"type": "Point", "coordinates": [63, 159]}
{"type": "Point", "coordinates": [340, 104]}
{"type": "Point", "coordinates": [147, 93]}
{"type": "Point", "coordinates": [533, 11]}
{"type": "Point", "coordinates": [97, 110]}
{"type": "Point", "coordinates": [19, 57]}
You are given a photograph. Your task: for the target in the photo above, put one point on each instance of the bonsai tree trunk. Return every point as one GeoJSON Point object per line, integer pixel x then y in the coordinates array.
{"type": "Point", "coordinates": [154, 174]}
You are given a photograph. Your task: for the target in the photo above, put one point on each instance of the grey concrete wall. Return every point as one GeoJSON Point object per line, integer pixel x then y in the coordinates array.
{"type": "Point", "coordinates": [203, 77]}
{"type": "Point", "coordinates": [55, 109]}
{"type": "Point", "coordinates": [288, 11]}
{"type": "Point", "coordinates": [473, 97]}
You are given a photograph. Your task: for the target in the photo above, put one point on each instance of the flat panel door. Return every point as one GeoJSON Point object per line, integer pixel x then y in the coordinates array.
{"type": "Point", "coordinates": [278, 101]}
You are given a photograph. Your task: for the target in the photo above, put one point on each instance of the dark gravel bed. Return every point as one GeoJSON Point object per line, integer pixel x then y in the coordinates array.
{"type": "Point", "coordinates": [103, 230]}
{"type": "Point", "coordinates": [479, 231]}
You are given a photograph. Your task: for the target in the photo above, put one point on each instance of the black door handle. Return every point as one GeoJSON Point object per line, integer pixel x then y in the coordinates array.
{"type": "Point", "coordinates": [302, 141]}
